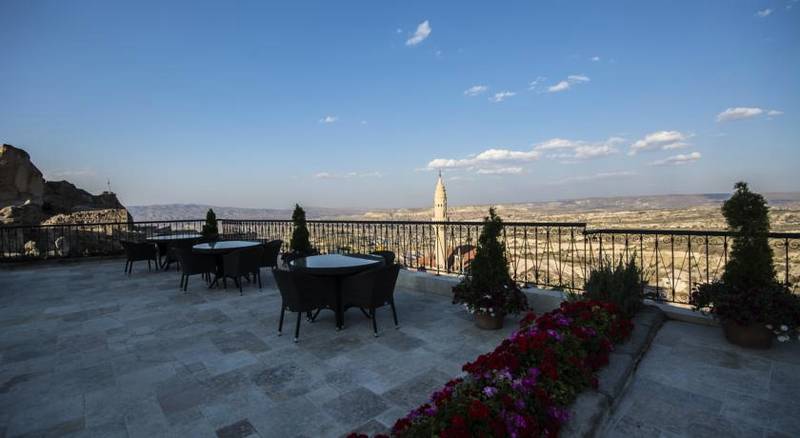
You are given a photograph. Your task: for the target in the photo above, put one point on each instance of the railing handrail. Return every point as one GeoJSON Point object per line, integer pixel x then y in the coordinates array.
{"type": "Point", "coordinates": [685, 232]}
{"type": "Point", "coordinates": [75, 224]}
{"type": "Point", "coordinates": [413, 222]}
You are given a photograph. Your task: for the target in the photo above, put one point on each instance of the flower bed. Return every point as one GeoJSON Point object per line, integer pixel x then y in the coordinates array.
{"type": "Point", "coordinates": [523, 387]}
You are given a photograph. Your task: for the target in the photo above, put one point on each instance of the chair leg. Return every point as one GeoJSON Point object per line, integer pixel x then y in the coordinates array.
{"type": "Point", "coordinates": [297, 327]}
{"type": "Point", "coordinates": [181, 285]}
{"type": "Point", "coordinates": [374, 321]}
{"type": "Point", "coordinates": [126, 265]}
{"type": "Point", "coordinates": [224, 282]}
{"type": "Point", "coordinates": [280, 323]}
{"type": "Point", "coordinates": [239, 283]}
{"type": "Point", "coordinates": [130, 268]}
{"type": "Point", "coordinates": [364, 312]}
{"type": "Point", "coordinates": [314, 317]}
{"type": "Point", "coordinates": [258, 274]}
{"type": "Point", "coordinates": [394, 314]}
{"type": "Point", "coordinates": [186, 283]}
{"type": "Point", "coordinates": [149, 268]}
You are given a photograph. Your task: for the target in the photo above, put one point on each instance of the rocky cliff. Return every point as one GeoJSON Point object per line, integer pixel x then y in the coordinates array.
{"type": "Point", "coordinates": [27, 199]}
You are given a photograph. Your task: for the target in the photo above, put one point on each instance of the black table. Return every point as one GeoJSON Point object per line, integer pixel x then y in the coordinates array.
{"type": "Point", "coordinates": [219, 249]}
{"type": "Point", "coordinates": [337, 266]}
{"type": "Point", "coordinates": [163, 243]}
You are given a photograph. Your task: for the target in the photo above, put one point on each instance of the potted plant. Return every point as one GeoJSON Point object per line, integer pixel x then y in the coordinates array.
{"type": "Point", "coordinates": [487, 290]}
{"type": "Point", "coordinates": [620, 284]}
{"type": "Point", "coordinates": [210, 229]}
{"type": "Point", "coordinates": [752, 306]}
{"type": "Point", "coordinates": [299, 245]}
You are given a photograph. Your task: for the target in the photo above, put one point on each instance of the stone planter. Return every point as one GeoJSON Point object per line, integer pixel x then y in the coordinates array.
{"type": "Point", "coordinates": [749, 336]}
{"type": "Point", "coordinates": [486, 321]}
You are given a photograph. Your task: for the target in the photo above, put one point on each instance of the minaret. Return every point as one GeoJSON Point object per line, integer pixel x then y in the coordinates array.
{"type": "Point", "coordinates": [440, 215]}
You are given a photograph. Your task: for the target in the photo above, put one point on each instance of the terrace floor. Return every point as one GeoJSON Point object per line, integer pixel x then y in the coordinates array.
{"type": "Point", "coordinates": [693, 383]}
{"type": "Point", "coordinates": [87, 351]}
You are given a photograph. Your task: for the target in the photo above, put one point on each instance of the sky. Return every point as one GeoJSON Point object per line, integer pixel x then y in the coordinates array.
{"type": "Point", "coordinates": [358, 104]}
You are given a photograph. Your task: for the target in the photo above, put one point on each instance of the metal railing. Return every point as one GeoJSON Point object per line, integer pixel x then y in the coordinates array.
{"type": "Point", "coordinates": [542, 254]}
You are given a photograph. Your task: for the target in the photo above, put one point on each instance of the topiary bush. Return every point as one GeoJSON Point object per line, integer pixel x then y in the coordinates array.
{"type": "Point", "coordinates": [300, 244]}
{"type": "Point", "coordinates": [210, 228]}
{"type": "Point", "coordinates": [488, 286]}
{"type": "Point", "coordinates": [748, 292]}
{"type": "Point", "coordinates": [620, 284]}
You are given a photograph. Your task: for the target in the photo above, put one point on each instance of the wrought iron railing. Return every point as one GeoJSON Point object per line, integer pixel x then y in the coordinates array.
{"type": "Point", "coordinates": [542, 254]}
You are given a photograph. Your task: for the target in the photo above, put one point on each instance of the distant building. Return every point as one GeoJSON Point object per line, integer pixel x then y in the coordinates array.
{"type": "Point", "coordinates": [440, 231]}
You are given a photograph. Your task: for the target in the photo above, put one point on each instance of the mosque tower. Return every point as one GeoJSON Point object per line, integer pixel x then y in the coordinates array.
{"type": "Point", "coordinates": [440, 231]}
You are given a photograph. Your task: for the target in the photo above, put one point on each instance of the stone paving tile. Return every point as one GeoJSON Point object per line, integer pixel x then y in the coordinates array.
{"type": "Point", "coordinates": [693, 383]}
{"type": "Point", "coordinates": [87, 351]}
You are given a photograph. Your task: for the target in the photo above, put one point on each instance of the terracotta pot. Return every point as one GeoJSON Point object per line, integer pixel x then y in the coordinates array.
{"type": "Point", "coordinates": [486, 321]}
{"type": "Point", "coordinates": [749, 336]}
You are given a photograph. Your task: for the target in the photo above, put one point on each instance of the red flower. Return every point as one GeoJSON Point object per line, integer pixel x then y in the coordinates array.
{"type": "Point", "coordinates": [477, 410]}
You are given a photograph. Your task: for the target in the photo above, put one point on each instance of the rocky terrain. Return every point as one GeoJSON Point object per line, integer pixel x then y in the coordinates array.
{"type": "Point", "coordinates": [27, 199]}
{"type": "Point", "coordinates": [198, 211]}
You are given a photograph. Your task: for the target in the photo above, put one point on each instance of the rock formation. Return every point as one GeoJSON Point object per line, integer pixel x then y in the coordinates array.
{"type": "Point", "coordinates": [27, 199]}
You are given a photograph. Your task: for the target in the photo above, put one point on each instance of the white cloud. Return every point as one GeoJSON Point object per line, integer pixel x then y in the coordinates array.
{"type": "Point", "coordinates": [535, 84]}
{"type": "Point", "coordinates": [561, 86]}
{"type": "Point", "coordinates": [68, 174]}
{"type": "Point", "coordinates": [571, 150]}
{"type": "Point", "coordinates": [501, 96]}
{"type": "Point", "coordinates": [739, 113]}
{"type": "Point", "coordinates": [677, 160]}
{"type": "Point", "coordinates": [660, 140]}
{"type": "Point", "coordinates": [488, 160]}
{"type": "Point", "coordinates": [363, 122]}
{"type": "Point", "coordinates": [423, 31]}
{"type": "Point", "coordinates": [595, 58]}
{"type": "Point", "coordinates": [594, 177]}
{"type": "Point", "coordinates": [328, 119]}
{"type": "Point", "coordinates": [764, 12]}
{"type": "Point", "coordinates": [501, 171]}
{"type": "Point", "coordinates": [568, 83]}
{"type": "Point", "coordinates": [475, 90]}
{"type": "Point", "coordinates": [773, 113]}
{"type": "Point", "coordinates": [347, 175]}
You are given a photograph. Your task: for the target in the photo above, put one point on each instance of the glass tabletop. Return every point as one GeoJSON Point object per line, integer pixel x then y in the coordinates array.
{"type": "Point", "coordinates": [225, 244]}
{"type": "Point", "coordinates": [176, 237]}
{"type": "Point", "coordinates": [335, 261]}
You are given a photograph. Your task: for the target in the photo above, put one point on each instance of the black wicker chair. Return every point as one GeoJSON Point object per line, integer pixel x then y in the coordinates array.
{"type": "Point", "coordinates": [303, 293]}
{"type": "Point", "coordinates": [242, 263]}
{"type": "Point", "coordinates": [179, 245]}
{"type": "Point", "coordinates": [139, 251]}
{"type": "Point", "coordinates": [388, 256]}
{"type": "Point", "coordinates": [272, 250]}
{"type": "Point", "coordinates": [193, 264]}
{"type": "Point", "coordinates": [372, 289]}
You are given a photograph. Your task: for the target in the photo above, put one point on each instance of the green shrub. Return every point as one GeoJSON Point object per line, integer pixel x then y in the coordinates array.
{"type": "Point", "coordinates": [210, 228]}
{"type": "Point", "coordinates": [620, 284]}
{"type": "Point", "coordinates": [488, 286]}
{"type": "Point", "coordinates": [300, 244]}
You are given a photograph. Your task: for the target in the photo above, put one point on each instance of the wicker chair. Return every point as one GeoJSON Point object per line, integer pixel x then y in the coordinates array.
{"type": "Point", "coordinates": [388, 256]}
{"type": "Point", "coordinates": [270, 255]}
{"type": "Point", "coordinates": [372, 289]}
{"type": "Point", "coordinates": [139, 251]}
{"type": "Point", "coordinates": [303, 293]}
{"type": "Point", "coordinates": [193, 264]}
{"type": "Point", "coordinates": [242, 263]}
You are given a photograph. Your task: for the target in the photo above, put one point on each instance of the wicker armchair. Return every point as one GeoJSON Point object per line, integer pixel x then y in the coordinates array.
{"type": "Point", "coordinates": [372, 289]}
{"type": "Point", "coordinates": [303, 293]}
{"type": "Point", "coordinates": [242, 263]}
{"type": "Point", "coordinates": [193, 264]}
{"type": "Point", "coordinates": [139, 251]}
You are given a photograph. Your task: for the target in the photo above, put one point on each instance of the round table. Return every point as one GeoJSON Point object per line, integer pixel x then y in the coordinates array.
{"type": "Point", "coordinates": [337, 266]}
{"type": "Point", "coordinates": [163, 243]}
{"type": "Point", "coordinates": [219, 249]}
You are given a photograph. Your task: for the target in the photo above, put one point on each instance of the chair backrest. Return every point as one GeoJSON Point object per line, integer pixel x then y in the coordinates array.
{"type": "Point", "coordinates": [388, 256]}
{"type": "Point", "coordinates": [271, 251]}
{"type": "Point", "coordinates": [385, 281]}
{"type": "Point", "coordinates": [192, 263]}
{"type": "Point", "coordinates": [303, 292]}
{"type": "Point", "coordinates": [243, 261]}
{"type": "Point", "coordinates": [138, 249]}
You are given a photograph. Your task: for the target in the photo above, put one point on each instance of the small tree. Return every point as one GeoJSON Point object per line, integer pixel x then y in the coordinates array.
{"type": "Point", "coordinates": [748, 292]}
{"type": "Point", "coordinates": [210, 227]}
{"type": "Point", "coordinates": [488, 286]}
{"type": "Point", "coordinates": [620, 284]}
{"type": "Point", "coordinates": [300, 243]}
{"type": "Point", "coordinates": [750, 262]}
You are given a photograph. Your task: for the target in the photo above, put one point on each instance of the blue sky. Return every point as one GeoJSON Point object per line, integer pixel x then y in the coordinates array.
{"type": "Point", "coordinates": [357, 103]}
